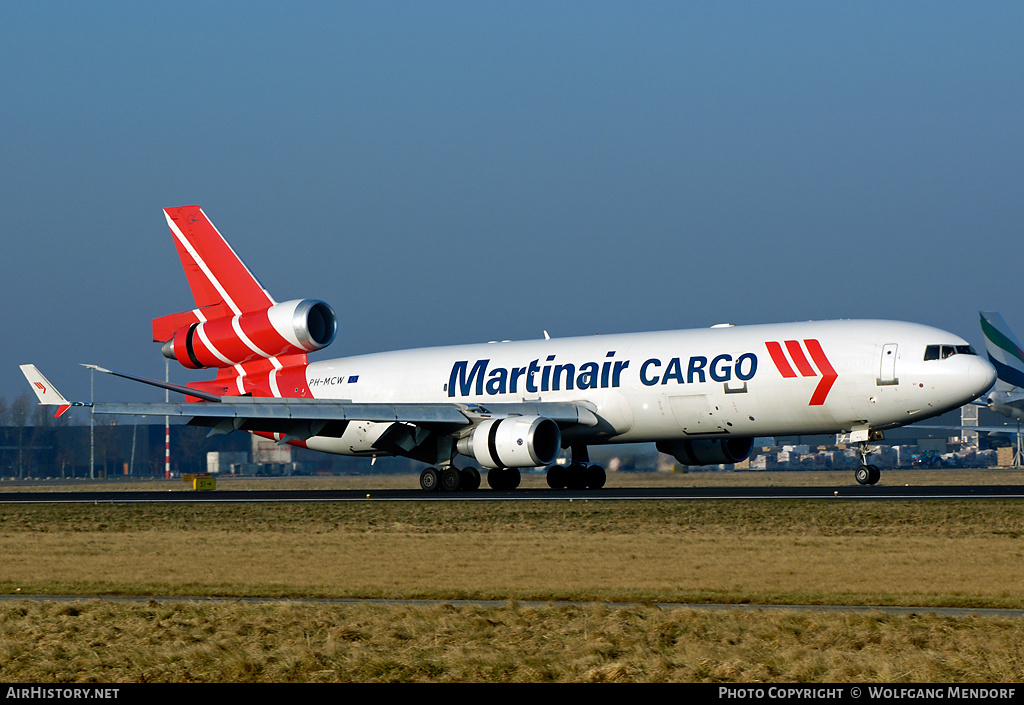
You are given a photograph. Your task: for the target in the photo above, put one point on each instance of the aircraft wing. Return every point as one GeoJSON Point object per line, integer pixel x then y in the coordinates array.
{"type": "Point", "coordinates": [284, 410]}
{"type": "Point", "coordinates": [989, 429]}
{"type": "Point", "coordinates": [300, 419]}
{"type": "Point", "coordinates": [289, 409]}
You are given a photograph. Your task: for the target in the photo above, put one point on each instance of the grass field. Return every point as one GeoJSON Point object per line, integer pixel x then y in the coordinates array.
{"type": "Point", "coordinates": [596, 553]}
{"type": "Point", "coordinates": [107, 642]}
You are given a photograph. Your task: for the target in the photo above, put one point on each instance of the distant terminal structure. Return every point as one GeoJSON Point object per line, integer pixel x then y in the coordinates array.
{"type": "Point", "coordinates": [265, 457]}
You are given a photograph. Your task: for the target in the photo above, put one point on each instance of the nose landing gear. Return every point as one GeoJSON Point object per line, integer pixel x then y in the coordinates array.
{"type": "Point", "coordinates": [867, 474]}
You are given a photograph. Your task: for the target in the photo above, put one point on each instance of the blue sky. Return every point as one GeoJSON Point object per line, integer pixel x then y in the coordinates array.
{"type": "Point", "coordinates": [452, 172]}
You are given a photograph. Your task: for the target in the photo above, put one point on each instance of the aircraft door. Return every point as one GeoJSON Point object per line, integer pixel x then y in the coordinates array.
{"type": "Point", "coordinates": [887, 366]}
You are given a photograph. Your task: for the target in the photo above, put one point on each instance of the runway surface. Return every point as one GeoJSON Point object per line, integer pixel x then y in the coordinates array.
{"type": "Point", "coordinates": [680, 494]}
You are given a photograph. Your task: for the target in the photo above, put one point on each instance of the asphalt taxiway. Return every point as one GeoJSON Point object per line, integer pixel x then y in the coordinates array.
{"type": "Point", "coordinates": [873, 493]}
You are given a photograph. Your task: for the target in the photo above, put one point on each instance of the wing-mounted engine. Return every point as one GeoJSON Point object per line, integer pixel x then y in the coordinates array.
{"type": "Point", "coordinates": [513, 442]}
{"type": "Point", "coordinates": [292, 327]}
{"type": "Point", "coordinates": [715, 451]}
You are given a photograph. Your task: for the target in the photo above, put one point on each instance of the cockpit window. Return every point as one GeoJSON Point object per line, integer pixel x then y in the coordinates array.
{"type": "Point", "coordinates": [941, 352]}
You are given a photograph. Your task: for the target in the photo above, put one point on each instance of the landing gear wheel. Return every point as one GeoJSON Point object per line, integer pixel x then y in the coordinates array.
{"type": "Point", "coordinates": [430, 480]}
{"type": "Point", "coordinates": [868, 474]}
{"type": "Point", "coordinates": [451, 479]}
{"type": "Point", "coordinates": [579, 474]}
{"type": "Point", "coordinates": [503, 478]}
{"type": "Point", "coordinates": [556, 477]}
{"type": "Point", "coordinates": [576, 477]}
{"type": "Point", "coordinates": [470, 479]}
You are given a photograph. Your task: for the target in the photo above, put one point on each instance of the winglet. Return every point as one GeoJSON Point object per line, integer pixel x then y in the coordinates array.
{"type": "Point", "coordinates": [46, 392]}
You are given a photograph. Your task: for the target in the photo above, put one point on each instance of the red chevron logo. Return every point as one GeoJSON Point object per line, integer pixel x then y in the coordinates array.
{"type": "Point", "coordinates": [794, 353]}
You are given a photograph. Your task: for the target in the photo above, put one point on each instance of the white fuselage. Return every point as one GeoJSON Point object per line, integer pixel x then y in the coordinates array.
{"type": "Point", "coordinates": [741, 381]}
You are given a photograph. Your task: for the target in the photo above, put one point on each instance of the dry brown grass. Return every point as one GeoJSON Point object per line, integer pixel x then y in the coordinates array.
{"type": "Point", "coordinates": [97, 641]}
{"type": "Point", "coordinates": [917, 553]}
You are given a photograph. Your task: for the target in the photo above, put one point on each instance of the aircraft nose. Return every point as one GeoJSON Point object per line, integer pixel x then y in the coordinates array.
{"type": "Point", "coordinates": [981, 375]}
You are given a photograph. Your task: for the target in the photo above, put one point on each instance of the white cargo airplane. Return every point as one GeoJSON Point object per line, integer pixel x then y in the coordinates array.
{"type": "Point", "coordinates": [701, 395]}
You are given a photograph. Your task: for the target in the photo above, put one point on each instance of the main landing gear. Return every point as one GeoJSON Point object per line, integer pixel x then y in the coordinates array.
{"type": "Point", "coordinates": [580, 474]}
{"type": "Point", "coordinates": [504, 479]}
{"type": "Point", "coordinates": [449, 479]}
{"type": "Point", "coordinates": [452, 479]}
{"type": "Point", "coordinates": [577, 475]}
{"type": "Point", "coordinates": [867, 474]}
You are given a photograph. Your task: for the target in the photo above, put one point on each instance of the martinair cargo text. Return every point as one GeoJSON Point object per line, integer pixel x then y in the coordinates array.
{"type": "Point", "coordinates": [701, 395]}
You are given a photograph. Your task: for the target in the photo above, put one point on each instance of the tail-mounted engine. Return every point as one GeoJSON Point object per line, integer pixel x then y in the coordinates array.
{"type": "Point", "coordinates": [708, 452]}
{"type": "Point", "coordinates": [513, 442]}
{"type": "Point", "coordinates": [286, 328]}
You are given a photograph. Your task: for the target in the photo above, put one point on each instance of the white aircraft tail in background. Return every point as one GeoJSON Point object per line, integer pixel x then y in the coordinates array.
{"type": "Point", "coordinates": [1007, 356]}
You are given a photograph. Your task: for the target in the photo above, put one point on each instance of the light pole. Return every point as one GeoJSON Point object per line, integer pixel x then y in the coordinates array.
{"type": "Point", "coordinates": [167, 422]}
{"type": "Point", "coordinates": [92, 418]}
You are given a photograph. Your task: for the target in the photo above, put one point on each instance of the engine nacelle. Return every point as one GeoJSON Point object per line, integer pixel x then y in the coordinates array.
{"type": "Point", "coordinates": [513, 442]}
{"type": "Point", "coordinates": [708, 452]}
{"type": "Point", "coordinates": [286, 328]}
